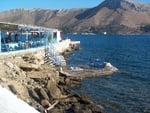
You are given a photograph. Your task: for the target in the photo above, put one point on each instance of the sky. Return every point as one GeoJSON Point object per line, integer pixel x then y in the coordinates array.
{"type": "Point", "coordinates": [51, 4]}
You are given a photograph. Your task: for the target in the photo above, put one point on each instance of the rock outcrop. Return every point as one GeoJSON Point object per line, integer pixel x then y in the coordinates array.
{"type": "Point", "coordinates": [43, 86]}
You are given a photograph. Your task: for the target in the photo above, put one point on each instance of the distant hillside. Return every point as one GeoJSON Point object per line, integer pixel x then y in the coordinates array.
{"type": "Point", "coordinates": [111, 16]}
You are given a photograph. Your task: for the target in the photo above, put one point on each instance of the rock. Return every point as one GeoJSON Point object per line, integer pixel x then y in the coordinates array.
{"type": "Point", "coordinates": [73, 99]}
{"type": "Point", "coordinates": [56, 110]}
{"type": "Point", "coordinates": [33, 94]}
{"type": "Point", "coordinates": [13, 89]}
{"type": "Point", "coordinates": [39, 85]}
{"type": "Point", "coordinates": [43, 94]}
{"type": "Point", "coordinates": [53, 90]}
{"type": "Point", "coordinates": [12, 74]}
{"type": "Point", "coordinates": [82, 108]}
{"type": "Point", "coordinates": [85, 100]}
{"type": "Point", "coordinates": [18, 71]}
{"type": "Point", "coordinates": [39, 107]}
{"type": "Point", "coordinates": [3, 79]}
{"type": "Point", "coordinates": [28, 66]}
{"type": "Point", "coordinates": [67, 81]}
{"type": "Point", "coordinates": [97, 108]}
{"type": "Point", "coordinates": [76, 108]}
{"type": "Point", "coordinates": [54, 75]}
{"type": "Point", "coordinates": [38, 58]}
{"type": "Point", "coordinates": [9, 64]}
{"type": "Point", "coordinates": [63, 73]}
{"type": "Point", "coordinates": [45, 103]}
{"type": "Point", "coordinates": [69, 100]}
{"type": "Point", "coordinates": [86, 111]}
{"type": "Point", "coordinates": [23, 93]}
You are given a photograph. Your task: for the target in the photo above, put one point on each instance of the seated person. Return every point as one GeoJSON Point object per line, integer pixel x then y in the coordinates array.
{"type": "Point", "coordinates": [8, 39]}
{"type": "Point", "coordinates": [16, 37]}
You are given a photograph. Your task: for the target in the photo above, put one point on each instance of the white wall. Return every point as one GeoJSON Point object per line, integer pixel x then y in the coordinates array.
{"type": "Point", "coordinates": [9, 103]}
{"type": "Point", "coordinates": [62, 46]}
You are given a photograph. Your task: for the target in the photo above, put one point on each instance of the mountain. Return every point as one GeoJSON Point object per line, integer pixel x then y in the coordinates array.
{"type": "Point", "coordinates": [117, 17]}
{"type": "Point", "coordinates": [111, 16]}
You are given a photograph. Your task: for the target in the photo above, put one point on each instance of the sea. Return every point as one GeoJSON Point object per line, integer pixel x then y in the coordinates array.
{"type": "Point", "coordinates": [127, 91]}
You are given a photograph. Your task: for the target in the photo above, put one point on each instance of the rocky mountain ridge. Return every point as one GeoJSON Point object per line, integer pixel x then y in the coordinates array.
{"type": "Point", "coordinates": [111, 16]}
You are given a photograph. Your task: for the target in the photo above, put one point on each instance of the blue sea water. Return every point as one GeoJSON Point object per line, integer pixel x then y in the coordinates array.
{"type": "Point", "coordinates": [127, 91]}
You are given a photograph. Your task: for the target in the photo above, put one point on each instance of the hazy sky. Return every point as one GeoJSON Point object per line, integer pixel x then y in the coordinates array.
{"type": "Point", "coordinates": [51, 4]}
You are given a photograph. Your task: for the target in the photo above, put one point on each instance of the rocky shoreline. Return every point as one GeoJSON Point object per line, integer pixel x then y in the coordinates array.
{"type": "Point", "coordinates": [43, 86]}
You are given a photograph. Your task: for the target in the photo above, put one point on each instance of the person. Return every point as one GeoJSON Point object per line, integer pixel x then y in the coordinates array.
{"type": "Point", "coordinates": [16, 37]}
{"type": "Point", "coordinates": [8, 39]}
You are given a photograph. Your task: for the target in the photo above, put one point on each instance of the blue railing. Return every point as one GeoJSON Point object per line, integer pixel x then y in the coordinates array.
{"type": "Point", "coordinates": [20, 45]}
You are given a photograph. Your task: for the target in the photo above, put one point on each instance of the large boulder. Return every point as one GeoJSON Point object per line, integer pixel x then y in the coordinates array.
{"type": "Point", "coordinates": [53, 90]}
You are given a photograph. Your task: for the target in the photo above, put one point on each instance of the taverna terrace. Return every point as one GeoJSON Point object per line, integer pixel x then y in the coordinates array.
{"type": "Point", "coordinates": [16, 38]}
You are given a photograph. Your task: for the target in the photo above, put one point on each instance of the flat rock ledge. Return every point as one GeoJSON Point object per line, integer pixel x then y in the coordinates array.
{"type": "Point", "coordinates": [44, 87]}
